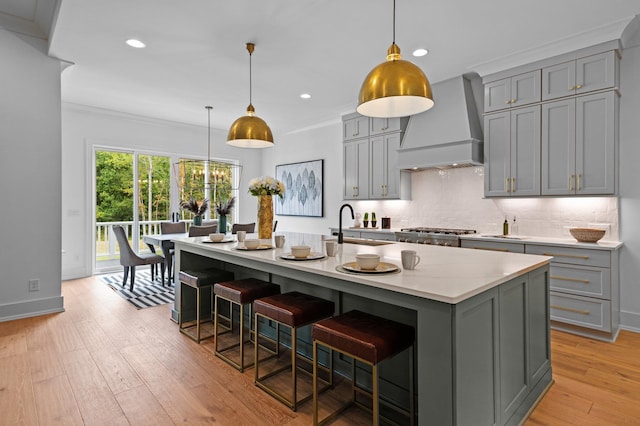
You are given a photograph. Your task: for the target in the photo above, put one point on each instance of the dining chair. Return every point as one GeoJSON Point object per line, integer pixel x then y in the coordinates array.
{"type": "Point", "coordinates": [202, 231]}
{"type": "Point", "coordinates": [172, 228]}
{"type": "Point", "coordinates": [247, 227]}
{"type": "Point", "coordinates": [129, 259]}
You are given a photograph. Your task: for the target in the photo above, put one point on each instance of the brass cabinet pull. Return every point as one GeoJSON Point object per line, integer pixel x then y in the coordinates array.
{"type": "Point", "coordinates": [513, 101]}
{"type": "Point", "coordinates": [579, 177]}
{"type": "Point", "coordinates": [575, 280]}
{"type": "Point", "coordinates": [571, 256]}
{"type": "Point", "coordinates": [506, 185]}
{"type": "Point", "coordinates": [579, 86]}
{"type": "Point", "coordinates": [571, 183]}
{"type": "Point", "coordinates": [513, 184]}
{"type": "Point", "coordinates": [575, 311]}
{"type": "Point", "coordinates": [507, 102]}
{"type": "Point", "coordinates": [571, 88]}
{"type": "Point", "coordinates": [491, 249]}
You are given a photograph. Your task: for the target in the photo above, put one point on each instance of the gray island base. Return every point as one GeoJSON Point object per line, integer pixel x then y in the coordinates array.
{"type": "Point", "coordinates": [481, 319]}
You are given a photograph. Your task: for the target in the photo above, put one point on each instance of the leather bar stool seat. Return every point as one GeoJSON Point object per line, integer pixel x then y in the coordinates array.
{"type": "Point", "coordinates": [199, 280]}
{"type": "Point", "coordinates": [293, 310]}
{"type": "Point", "coordinates": [369, 339]}
{"type": "Point", "coordinates": [241, 293]}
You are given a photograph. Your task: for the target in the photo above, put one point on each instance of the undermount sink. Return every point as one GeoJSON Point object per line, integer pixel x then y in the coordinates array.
{"type": "Point", "coordinates": [366, 242]}
{"type": "Point", "coordinates": [506, 237]}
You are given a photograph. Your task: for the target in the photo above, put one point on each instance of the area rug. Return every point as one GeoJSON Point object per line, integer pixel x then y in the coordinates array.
{"type": "Point", "coordinates": [146, 293]}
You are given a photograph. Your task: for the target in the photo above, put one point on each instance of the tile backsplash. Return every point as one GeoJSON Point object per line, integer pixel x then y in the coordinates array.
{"type": "Point", "coordinates": [454, 198]}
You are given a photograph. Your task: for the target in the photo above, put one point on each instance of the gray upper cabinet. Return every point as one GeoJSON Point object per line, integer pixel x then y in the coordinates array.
{"type": "Point", "coordinates": [379, 126]}
{"type": "Point", "coordinates": [371, 158]}
{"type": "Point", "coordinates": [356, 170]}
{"type": "Point", "coordinates": [355, 127]}
{"type": "Point", "coordinates": [512, 92]}
{"type": "Point", "coordinates": [512, 153]}
{"type": "Point", "coordinates": [385, 175]}
{"type": "Point", "coordinates": [579, 145]}
{"type": "Point", "coordinates": [584, 75]}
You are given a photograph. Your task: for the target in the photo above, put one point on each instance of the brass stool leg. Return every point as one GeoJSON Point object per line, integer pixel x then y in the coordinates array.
{"type": "Point", "coordinates": [315, 382]}
{"type": "Point", "coordinates": [198, 294]}
{"type": "Point", "coordinates": [412, 408]}
{"type": "Point", "coordinates": [376, 402]}
{"type": "Point", "coordinates": [294, 368]}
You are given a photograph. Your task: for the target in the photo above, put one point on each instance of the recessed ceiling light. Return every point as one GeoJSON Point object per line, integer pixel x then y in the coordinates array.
{"type": "Point", "coordinates": [305, 96]}
{"type": "Point", "coordinates": [136, 43]}
{"type": "Point", "coordinates": [420, 52]}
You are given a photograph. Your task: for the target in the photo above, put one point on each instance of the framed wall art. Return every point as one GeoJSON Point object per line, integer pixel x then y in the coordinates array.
{"type": "Point", "coordinates": [303, 189]}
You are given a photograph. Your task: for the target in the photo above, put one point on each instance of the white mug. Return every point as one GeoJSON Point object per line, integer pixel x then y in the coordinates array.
{"type": "Point", "coordinates": [279, 241]}
{"type": "Point", "coordinates": [409, 259]}
{"type": "Point", "coordinates": [331, 247]}
{"type": "Point", "coordinates": [241, 236]}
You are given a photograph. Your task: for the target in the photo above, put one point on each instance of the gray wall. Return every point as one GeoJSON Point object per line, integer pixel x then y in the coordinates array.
{"type": "Point", "coordinates": [630, 184]}
{"type": "Point", "coordinates": [30, 150]}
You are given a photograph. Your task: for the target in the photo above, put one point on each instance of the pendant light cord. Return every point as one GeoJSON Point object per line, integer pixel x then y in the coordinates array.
{"type": "Point", "coordinates": [394, 21]}
{"type": "Point", "coordinates": [250, 85]}
{"type": "Point", "coordinates": [209, 108]}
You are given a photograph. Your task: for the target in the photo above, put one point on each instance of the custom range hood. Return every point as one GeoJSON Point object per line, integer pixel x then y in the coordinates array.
{"type": "Point", "coordinates": [449, 134]}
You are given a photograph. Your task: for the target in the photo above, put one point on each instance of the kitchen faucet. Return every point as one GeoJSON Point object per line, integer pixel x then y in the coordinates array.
{"type": "Point", "coordinates": [340, 238]}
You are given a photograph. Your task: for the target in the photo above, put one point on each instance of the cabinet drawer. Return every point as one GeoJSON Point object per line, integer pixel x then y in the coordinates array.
{"type": "Point", "coordinates": [581, 280]}
{"type": "Point", "coordinates": [573, 256]}
{"type": "Point", "coordinates": [493, 245]}
{"type": "Point", "coordinates": [374, 235]}
{"type": "Point", "coordinates": [581, 311]}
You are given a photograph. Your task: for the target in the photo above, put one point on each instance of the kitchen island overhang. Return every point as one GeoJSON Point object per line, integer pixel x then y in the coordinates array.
{"type": "Point", "coordinates": [481, 318]}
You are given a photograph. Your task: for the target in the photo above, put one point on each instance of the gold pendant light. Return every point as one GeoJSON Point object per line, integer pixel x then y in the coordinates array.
{"type": "Point", "coordinates": [250, 131]}
{"type": "Point", "coordinates": [395, 88]}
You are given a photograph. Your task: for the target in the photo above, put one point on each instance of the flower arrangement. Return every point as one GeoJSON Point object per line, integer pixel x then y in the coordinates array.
{"type": "Point", "coordinates": [266, 185]}
{"type": "Point", "coordinates": [223, 208]}
{"type": "Point", "coordinates": [193, 206]}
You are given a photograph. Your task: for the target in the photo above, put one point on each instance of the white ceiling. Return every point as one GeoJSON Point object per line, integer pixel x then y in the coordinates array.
{"type": "Point", "coordinates": [195, 53]}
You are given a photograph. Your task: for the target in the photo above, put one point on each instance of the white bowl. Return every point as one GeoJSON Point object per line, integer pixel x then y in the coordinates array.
{"type": "Point", "coordinates": [216, 237]}
{"type": "Point", "coordinates": [367, 260]}
{"type": "Point", "coordinates": [251, 243]}
{"type": "Point", "coordinates": [300, 251]}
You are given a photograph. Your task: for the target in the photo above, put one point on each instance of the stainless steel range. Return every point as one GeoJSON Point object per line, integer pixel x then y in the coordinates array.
{"type": "Point", "coordinates": [432, 236]}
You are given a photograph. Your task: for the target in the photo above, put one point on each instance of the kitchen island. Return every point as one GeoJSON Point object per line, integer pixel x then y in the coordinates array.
{"type": "Point", "coordinates": [481, 318]}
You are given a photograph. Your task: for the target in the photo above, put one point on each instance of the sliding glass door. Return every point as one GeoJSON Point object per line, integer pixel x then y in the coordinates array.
{"type": "Point", "coordinates": [140, 190]}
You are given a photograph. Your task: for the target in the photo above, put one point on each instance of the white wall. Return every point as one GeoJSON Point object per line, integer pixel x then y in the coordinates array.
{"type": "Point", "coordinates": [84, 127]}
{"type": "Point", "coordinates": [30, 149]}
{"type": "Point", "coordinates": [321, 143]}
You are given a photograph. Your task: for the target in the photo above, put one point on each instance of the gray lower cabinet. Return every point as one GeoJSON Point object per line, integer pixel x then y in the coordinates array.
{"type": "Point", "coordinates": [502, 346]}
{"type": "Point", "coordinates": [584, 289]}
{"type": "Point", "coordinates": [514, 247]}
{"type": "Point", "coordinates": [363, 233]}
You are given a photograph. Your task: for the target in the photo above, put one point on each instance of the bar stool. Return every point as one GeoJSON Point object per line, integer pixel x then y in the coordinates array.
{"type": "Point", "coordinates": [293, 310]}
{"type": "Point", "coordinates": [369, 339]}
{"type": "Point", "coordinates": [198, 280]}
{"type": "Point", "coordinates": [240, 293]}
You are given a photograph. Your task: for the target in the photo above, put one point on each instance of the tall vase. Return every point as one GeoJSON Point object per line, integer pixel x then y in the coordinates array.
{"type": "Point", "coordinates": [222, 224]}
{"type": "Point", "coordinates": [197, 220]}
{"type": "Point", "coordinates": [265, 216]}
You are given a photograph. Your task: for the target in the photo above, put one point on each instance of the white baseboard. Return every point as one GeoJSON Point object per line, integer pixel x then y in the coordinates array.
{"type": "Point", "coordinates": [31, 308]}
{"type": "Point", "coordinates": [630, 321]}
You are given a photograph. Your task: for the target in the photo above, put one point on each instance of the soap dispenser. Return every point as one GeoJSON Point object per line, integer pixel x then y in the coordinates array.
{"type": "Point", "coordinates": [514, 227]}
{"type": "Point", "coordinates": [505, 227]}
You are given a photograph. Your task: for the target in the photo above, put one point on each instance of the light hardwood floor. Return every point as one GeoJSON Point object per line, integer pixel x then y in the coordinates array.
{"type": "Point", "coordinates": [104, 362]}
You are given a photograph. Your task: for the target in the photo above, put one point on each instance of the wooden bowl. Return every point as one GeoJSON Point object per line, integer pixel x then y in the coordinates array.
{"type": "Point", "coordinates": [587, 235]}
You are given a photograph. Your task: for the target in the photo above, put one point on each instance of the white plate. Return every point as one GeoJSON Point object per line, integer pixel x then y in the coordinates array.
{"type": "Point", "coordinates": [217, 242]}
{"type": "Point", "coordinates": [260, 247]}
{"type": "Point", "coordinates": [311, 256]}
{"type": "Point", "coordinates": [382, 268]}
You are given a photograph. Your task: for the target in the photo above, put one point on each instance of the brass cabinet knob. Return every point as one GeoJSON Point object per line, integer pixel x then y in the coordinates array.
{"type": "Point", "coordinates": [579, 86]}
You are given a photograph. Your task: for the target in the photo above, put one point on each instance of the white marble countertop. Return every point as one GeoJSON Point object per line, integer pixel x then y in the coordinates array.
{"type": "Point", "coordinates": [566, 242]}
{"type": "Point", "coordinates": [445, 274]}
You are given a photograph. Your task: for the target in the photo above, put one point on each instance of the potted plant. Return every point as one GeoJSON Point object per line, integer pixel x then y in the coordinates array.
{"type": "Point", "coordinates": [223, 208]}
{"type": "Point", "coordinates": [365, 221]}
{"type": "Point", "coordinates": [196, 209]}
{"type": "Point", "coordinates": [374, 222]}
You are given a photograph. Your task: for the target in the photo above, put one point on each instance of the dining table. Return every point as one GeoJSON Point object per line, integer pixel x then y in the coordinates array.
{"type": "Point", "coordinates": [165, 242]}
